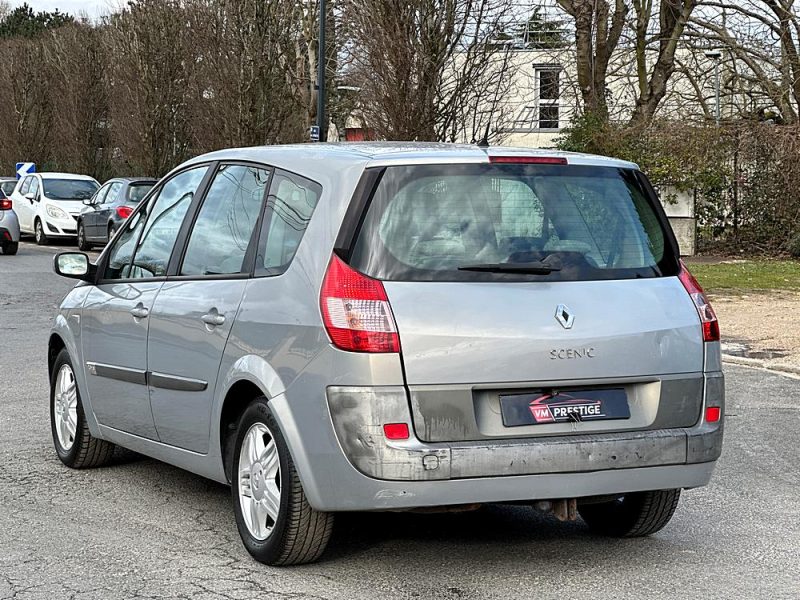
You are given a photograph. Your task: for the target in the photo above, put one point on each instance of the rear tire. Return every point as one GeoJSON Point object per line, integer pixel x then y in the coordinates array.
{"type": "Point", "coordinates": [10, 248]}
{"type": "Point", "coordinates": [39, 234]}
{"type": "Point", "coordinates": [636, 514]}
{"type": "Point", "coordinates": [75, 445]}
{"type": "Point", "coordinates": [83, 245]}
{"type": "Point", "coordinates": [280, 528]}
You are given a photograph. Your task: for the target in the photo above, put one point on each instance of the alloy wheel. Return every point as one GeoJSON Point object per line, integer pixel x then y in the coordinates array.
{"type": "Point", "coordinates": [65, 400]}
{"type": "Point", "coordinates": [259, 481]}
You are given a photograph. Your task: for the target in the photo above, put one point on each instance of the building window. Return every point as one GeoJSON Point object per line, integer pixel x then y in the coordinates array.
{"type": "Point", "coordinates": [544, 114]}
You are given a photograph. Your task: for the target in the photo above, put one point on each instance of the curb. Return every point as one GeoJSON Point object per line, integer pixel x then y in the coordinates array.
{"type": "Point", "coordinates": [760, 364]}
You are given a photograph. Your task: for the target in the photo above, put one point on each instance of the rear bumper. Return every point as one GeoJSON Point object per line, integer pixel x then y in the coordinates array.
{"type": "Point", "coordinates": [352, 466]}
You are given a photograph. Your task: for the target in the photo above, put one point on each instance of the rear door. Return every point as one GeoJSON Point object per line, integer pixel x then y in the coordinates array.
{"type": "Point", "coordinates": [105, 210]}
{"type": "Point", "coordinates": [600, 301]}
{"type": "Point", "coordinates": [89, 214]}
{"type": "Point", "coordinates": [195, 309]}
{"type": "Point", "coordinates": [116, 315]}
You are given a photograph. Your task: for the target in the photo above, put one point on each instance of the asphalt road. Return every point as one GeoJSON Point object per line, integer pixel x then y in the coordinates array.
{"type": "Point", "coordinates": [141, 529]}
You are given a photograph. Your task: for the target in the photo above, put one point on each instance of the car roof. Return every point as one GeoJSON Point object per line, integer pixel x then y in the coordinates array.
{"type": "Point", "coordinates": [53, 175]}
{"type": "Point", "coordinates": [333, 156]}
{"type": "Point", "coordinates": [133, 179]}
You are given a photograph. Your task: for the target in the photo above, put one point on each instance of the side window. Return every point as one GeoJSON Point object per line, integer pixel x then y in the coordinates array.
{"type": "Point", "coordinates": [145, 245]}
{"type": "Point", "coordinates": [119, 260]}
{"type": "Point", "coordinates": [226, 221]}
{"type": "Point", "coordinates": [34, 189]}
{"type": "Point", "coordinates": [99, 195]}
{"type": "Point", "coordinates": [26, 185]}
{"type": "Point", "coordinates": [113, 192]}
{"type": "Point", "coordinates": [290, 204]}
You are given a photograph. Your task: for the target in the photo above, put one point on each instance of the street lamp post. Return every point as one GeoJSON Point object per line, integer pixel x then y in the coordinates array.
{"type": "Point", "coordinates": [323, 130]}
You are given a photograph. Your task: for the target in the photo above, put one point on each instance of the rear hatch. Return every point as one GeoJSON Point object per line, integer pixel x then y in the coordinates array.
{"type": "Point", "coordinates": [508, 279]}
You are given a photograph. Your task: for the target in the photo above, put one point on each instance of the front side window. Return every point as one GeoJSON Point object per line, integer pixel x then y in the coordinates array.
{"type": "Point", "coordinates": [144, 247]}
{"type": "Point", "coordinates": [34, 189]}
{"type": "Point", "coordinates": [100, 195]}
{"type": "Point", "coordinates": [26, 185]}
{"type": "Point", "coordinates": [225, 224]}
{"type": "Point", "coordinates": [290, 204]}
{"type": "Point", "coordinates": [474, 222]}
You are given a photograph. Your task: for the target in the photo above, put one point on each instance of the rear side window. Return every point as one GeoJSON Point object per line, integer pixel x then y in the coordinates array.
{"type": "Point", "coordinates": [439, 222]}
{"type": "Point", "coordinates": [290, 204]}
{"type": "Point", "coordinates": [7, 187]}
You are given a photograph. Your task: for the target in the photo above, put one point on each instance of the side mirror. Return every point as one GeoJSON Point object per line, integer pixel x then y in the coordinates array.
{"type": "Point", "coordinates": [88, 202]}
{"type": "Point", "coordinates": [74, 265]}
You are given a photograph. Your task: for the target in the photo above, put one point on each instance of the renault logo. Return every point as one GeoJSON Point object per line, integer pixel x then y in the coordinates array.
{"type": "Point", "coordinates": [564, 316]}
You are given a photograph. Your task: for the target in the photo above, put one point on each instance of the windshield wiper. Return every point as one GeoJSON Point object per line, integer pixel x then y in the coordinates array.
{"type": "Point", "coordinates": [532, 268]}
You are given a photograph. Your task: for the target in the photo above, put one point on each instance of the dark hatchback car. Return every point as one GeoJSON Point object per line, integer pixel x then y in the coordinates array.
{"type": "Point", "coordinates": [109, 207]}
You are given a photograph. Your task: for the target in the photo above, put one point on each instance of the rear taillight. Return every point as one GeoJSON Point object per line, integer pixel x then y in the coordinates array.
{"type": "Point", "coordinates": [5, 204]}
{"type": "Point", "coordinates": [124, 211]}
{"type": "Point", "coordinates": [707, 316]}
{"type": "Point", "coordinates": [356, 311]}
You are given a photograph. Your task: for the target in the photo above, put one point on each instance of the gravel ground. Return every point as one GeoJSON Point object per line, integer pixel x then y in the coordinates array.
{"type": "Point", "coordinates": [142, 529]}
{"type": "Point", "coordinates": [768, 323]}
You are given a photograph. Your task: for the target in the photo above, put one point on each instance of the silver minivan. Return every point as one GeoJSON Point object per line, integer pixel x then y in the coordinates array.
{"type": "Point", "coordinates": [366, 327]}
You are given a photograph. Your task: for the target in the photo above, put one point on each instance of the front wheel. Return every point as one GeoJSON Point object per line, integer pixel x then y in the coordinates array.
{"type": "Point", "coordinates": [636, 514]}
{"type": "Point", "coordinates": [38, 231]}
{"type": "Point", "coordinates": [75, 445]}
{"type": "Point", "coordinates": [83, 244]}
{"type": "Point", "coordinates": [10, 248]}
{"type": "Point", "coordinates": [275, 521]}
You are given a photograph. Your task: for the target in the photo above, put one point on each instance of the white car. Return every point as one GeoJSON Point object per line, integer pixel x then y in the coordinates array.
{"type": "Point", "coordinates": [48, 204]}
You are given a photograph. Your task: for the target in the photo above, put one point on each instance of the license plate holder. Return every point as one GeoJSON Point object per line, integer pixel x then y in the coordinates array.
{"type": "Point", "coordinates": [564, 406]}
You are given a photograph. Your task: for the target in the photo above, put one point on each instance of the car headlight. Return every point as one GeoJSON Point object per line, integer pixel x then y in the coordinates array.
{"type": "Point", "coordinates": [56, 212]}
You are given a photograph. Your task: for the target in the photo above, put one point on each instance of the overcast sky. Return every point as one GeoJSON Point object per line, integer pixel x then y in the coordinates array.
{"type": "Point", "coordinates": [93, 8]}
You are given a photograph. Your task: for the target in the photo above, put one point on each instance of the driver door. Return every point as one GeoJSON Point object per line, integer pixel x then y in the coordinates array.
{"type": "Point", "coordinates": [25, 208]}
{"type": "Point", "coordinates": [115, 320]}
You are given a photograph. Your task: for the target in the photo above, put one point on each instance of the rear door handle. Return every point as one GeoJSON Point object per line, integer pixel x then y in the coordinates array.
{"type": "Point", "coordinates": [213, 318]}
{"type": "Point", "coordinates": [140, 311]}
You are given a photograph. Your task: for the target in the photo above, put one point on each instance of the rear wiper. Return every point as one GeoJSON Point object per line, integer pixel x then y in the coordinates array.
{"type": "Point", "coordinates": [532, 268]}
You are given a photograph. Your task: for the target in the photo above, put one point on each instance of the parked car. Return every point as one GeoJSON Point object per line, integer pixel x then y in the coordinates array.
{"type": "Point", "coordinates": [108, 209]}
{"type": "Point", "coordinates": [394, 327]}
{"type": "Point", "coordinates": [48, 204]}
{"type": "Point", "coordinates": [9, 225]}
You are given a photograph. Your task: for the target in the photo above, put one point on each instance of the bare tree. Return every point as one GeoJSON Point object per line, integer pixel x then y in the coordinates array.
{"type": "Point", "coordinates": [597, 34]}
{"type": "Point", "coordinates": [672, 19]}
{"type": "Point", "coordinates": [246, 88]}
{"type": "Point", "coordinates": [154, 60]}
{"type": "Point", "coordinates": [429, 69]}
{"type": "Point", "coordinates": [762, 43]}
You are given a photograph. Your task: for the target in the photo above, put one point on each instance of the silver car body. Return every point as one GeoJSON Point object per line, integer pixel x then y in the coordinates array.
{"type": "Point", "coordinates": [9, 223]}
{"type": "Point", "coordinates": [163, 385]}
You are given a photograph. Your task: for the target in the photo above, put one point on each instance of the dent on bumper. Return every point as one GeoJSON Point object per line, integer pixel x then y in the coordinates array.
{"type": "Point", "coordinates": [358, 415]}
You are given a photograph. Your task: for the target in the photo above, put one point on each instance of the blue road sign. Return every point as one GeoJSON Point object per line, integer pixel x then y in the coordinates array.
{"type": "Point", "coordinates": [25, 168]}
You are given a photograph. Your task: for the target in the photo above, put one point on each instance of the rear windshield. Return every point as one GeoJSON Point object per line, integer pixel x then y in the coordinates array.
{"type": "Point", "coordinates": [69, 189]}
{"type": "Point", "coordinates": [6, 187]}
{"type": "Point", "coordinates": [137, 191]}
{"type": "Point", "coordinates": [478, 222]}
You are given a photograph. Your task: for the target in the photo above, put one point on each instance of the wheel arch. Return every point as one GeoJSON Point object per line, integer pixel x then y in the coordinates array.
{"type": "Point", "coordinates": [237, 398]}
{"type": "Point", "coordinates": [54, 346]}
